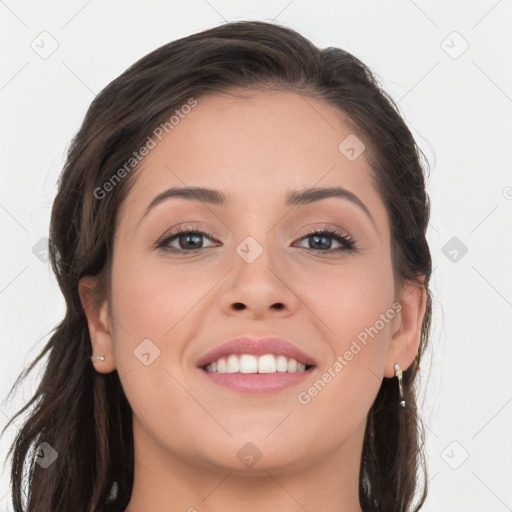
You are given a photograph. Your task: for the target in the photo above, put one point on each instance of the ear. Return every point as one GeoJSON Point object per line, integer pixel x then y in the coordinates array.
{"type": "Point", "coordinates": [98, 321]}
{"type": "Point", "coordinates": [405, 338]}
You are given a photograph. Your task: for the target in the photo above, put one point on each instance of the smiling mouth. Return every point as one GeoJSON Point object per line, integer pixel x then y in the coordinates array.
{"type": "Point", "coordinates": [251, 364]}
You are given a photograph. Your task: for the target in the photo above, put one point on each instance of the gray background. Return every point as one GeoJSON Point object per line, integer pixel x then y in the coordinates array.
{"type": "Point", "coordinates": [448, 66]}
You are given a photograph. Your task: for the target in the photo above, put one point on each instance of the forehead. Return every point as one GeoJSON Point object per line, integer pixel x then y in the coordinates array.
{"type": "Point", "coordinates": [254, 146]}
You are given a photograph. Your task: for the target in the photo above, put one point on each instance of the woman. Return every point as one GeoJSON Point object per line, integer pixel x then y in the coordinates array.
{"type": "Point", "coordinates": [218, 351]}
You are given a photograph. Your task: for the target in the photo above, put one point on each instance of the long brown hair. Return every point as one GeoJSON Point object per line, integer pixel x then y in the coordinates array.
{"type": "Point", "coordinates": [84, 415]}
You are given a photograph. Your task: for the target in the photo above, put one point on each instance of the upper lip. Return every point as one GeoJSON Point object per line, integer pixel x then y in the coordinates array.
{"type": "Point", "coordinates": [257, 347]}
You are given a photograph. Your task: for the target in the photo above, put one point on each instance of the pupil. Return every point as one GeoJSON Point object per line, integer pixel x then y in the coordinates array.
{"type": "Point", "coordinates": [316, 238]}
{"type": "Point", "coordinates": [188, 237]}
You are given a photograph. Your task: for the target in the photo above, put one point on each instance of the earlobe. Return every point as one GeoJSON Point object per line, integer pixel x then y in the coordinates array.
{"type": "Point", "coordinates": [405, 339]}
{"type": "Point", "coordinates": [98, 322]}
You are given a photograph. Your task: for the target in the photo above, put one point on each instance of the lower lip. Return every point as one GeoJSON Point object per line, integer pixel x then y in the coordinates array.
{"type": "Point", "coordinates": [257, 382]}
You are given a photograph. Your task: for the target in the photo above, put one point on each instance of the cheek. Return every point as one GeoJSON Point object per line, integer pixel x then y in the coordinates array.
{"type": "Point", "coordinates": [150, 306]}
{"type": "Point", "coordinates": [150, 298]}
{"type": "Point", "coordinates": [354, 306]}
{"type": "Point", "coordinates": [348, 299]}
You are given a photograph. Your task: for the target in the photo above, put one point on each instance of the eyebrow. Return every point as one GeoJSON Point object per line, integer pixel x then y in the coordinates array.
{"type": "Point", "coordinates": [294, 197]}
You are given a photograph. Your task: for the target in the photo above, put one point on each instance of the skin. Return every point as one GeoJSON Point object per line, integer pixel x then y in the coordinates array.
{"type": "Point", "coordinates": [255, 148]}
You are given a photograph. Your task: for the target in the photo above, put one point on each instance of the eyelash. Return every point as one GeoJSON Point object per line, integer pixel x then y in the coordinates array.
{"type": "Point", "coordinates": [348, 244]}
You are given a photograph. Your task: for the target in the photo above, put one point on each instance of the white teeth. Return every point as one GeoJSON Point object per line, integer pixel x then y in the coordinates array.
{"type": "Point", "coordinates": [267, 364]}
{"type": "Point", "coordinates": [233, 364]}
{"type": "Point", "coordinates": [248, 363]}
{"type": "Point", "coordinates": [281, 364]}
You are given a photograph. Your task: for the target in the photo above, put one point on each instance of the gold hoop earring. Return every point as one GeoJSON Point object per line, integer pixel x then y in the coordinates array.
{"type": "Point", "coordinates": [398, 375]}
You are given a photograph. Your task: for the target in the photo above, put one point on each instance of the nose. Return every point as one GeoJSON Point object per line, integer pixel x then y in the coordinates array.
{"type": "Point", "coordinates": [258, 287]}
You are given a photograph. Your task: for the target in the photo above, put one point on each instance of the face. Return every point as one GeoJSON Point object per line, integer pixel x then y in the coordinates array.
{"type": "Point", "coordinates": [253, 266]}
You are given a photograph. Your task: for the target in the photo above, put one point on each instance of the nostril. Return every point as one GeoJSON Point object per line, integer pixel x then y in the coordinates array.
{"type": "Point", "coordinates": [238, 305]}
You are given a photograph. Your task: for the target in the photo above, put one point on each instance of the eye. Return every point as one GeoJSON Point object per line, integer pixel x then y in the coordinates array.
{"type": "Point", "coordinates": [188, 239]}
{"type": "Point", "coordinates": [321, 241]}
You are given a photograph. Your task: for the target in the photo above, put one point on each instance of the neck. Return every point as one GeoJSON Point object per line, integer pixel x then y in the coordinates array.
{"type": "Point", "coordinates": [163, 480]}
